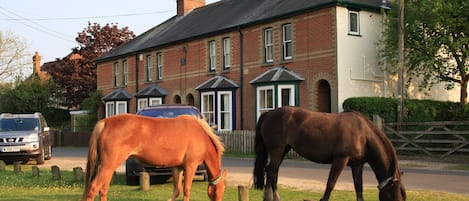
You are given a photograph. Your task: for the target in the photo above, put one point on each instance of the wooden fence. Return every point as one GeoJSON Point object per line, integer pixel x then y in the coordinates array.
{"type": "Point", "coordinates": [242, 141]}
{"type": "Point", "coordinates": [436, 139]}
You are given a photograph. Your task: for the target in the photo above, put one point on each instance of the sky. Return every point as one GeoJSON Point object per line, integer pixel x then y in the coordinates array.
{"type": "Point", "coordinates": [50, 27]}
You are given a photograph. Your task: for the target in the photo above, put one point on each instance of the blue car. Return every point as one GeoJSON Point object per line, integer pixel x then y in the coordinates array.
{"type": "Point", "coordinates": [159, 174]}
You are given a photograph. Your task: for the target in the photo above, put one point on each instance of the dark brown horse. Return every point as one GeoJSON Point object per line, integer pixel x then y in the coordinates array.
{"type": "Point", "coordinates": [338, 139]}
{"type": "Point", "coordinates": [183, 143]}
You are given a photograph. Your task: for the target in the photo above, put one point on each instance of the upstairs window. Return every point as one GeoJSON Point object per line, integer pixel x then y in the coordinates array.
{"type": "Point", "coordinates": [354, 22]}
{"type": "Point", "coordinates": [268, 46]}
{"type": "Point", "coordinates": [125, 73]}
{"type": "Point", "coordinates": [226, 53]}
{"type": "Point", "coordinates": [287, 41]}
{"type": "Point", "coordinates": [115, 76]}
{"type": "Point", "coordinates": [159, 63]}
{"type": "Point", "coordinates": [149, 68]}
{"type": "Point", "coordinates": [212, 56]}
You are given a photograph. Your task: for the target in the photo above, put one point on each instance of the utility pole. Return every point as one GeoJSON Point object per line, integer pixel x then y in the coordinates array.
{"type": "Point", "coordinates": [400, 63]}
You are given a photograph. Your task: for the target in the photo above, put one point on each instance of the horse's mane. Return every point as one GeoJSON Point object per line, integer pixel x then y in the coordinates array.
{"type": "Point", "coordinates": [389, 149]}
{"type": "Point", "coordinates": [213, 137]}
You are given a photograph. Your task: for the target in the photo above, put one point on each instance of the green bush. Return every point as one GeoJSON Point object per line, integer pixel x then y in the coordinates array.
{"type": "Point", "coordinates": [414, 110]}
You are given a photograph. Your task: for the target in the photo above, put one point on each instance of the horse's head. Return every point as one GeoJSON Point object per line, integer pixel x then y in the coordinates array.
{"type": "Point", "coordinates": [216, 187]}
{"type": "Point", "coordinates": [392, 190]}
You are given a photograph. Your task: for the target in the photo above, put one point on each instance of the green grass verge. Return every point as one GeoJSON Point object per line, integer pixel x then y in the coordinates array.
{"type": "Point", "coordinates": [23, 186]}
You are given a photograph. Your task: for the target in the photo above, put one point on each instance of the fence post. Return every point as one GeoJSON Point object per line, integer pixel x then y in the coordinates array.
{"type": "Point", "coordinates": [243, 193]}
{"type": "Point", "coordinates": [17, 167]}
{"type": "Point", "coordinates": [144, 181]}
{"type": "Point", "coordinates": [78, 173]}
{"type": "Point", "coordinates": [2, 165]}
{"type": "Point", "coordinates": [56, 172]}
{"type": "Point", "coordinates": [378, 121]}
{"type": "Point", "coordinates": [35, 170]}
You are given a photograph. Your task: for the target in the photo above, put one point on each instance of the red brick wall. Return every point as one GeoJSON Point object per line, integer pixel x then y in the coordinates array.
{"type": "Point", "coordinates": [314, 53]}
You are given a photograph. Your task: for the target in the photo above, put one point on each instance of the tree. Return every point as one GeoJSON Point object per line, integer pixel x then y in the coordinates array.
{"type": "Point", "coordinates": [28, 96]}
{"type": "Point", "coordinates": [436, 43]}
{"type": "Point", "coordinates": [13, 60]}
{"type": "Point", "coordinates": [75, 74]}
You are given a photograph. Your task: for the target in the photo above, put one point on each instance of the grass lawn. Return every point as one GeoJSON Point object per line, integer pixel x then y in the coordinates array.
{"type": "Point", "coordinates": [23, 186]}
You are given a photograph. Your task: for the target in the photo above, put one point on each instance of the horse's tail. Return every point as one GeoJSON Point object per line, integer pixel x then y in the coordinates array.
{"type": "Point", "coordinates": [93, 157]}
{"type": "Point", "coordinates": [261, 156]}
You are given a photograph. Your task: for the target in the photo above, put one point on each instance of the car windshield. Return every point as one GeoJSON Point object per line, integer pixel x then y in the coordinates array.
{"type": "Point", "coordinates": [19, 124]}
{"type": "Point", "coordinates": [168, 112]}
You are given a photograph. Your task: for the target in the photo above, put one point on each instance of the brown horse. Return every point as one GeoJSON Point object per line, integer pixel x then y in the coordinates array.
{"type": "Point", "coordinates": [338, 139]}
{"type": "Point", "coordinates": [183, 143]}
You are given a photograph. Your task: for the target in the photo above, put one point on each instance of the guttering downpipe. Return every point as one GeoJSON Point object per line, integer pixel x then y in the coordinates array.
{"type": "Point", "coordinates": [241, 77]}
{"type": "Point", "coordinates": [137, 58]}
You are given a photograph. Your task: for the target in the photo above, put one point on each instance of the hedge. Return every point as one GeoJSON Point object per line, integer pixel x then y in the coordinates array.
{"type": "Point", "coordinates": [414, 110]}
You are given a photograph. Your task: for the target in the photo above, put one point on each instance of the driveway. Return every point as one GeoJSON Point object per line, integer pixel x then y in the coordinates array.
{"type": "Point", "coordinates": [305, 175]}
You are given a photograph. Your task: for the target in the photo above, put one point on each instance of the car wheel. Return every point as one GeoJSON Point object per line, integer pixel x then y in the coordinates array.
{"type": "Point", "coordinates": [40, 158]}
{"type": "Point", "coordinates": [132, 180]}
{"type": "Point", "coordinates": [49, 153]}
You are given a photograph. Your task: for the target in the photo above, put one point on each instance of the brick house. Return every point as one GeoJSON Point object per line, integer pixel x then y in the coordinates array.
{"type": "Point", "coordinates": [235, 59]}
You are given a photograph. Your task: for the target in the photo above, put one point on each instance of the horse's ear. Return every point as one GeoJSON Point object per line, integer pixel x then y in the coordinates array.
{"type": "Point", "coordinates": [225, 172]}
{"type": "Point", "coordinates": [402, 173]}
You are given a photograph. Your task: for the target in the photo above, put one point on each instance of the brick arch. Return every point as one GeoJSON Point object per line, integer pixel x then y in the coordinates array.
{"type": "Point", "coordinates": [318, 89]}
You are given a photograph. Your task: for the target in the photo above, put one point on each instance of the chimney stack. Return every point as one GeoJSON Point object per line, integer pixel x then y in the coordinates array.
{"type": "Point", "coordinates": [36, 63]}
{"type": "Point", "coordinates": [185, 6]}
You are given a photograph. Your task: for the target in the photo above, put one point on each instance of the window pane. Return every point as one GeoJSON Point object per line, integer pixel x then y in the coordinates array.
{"type": "Point", "coordinates": [208, 107]}
{"type": "Point", "coordinates": [121, 107]}
{"type": "Point", "coordinates": [287, 41]}
{"type": "Point", "coordinates": [285, 94]}
{"type": "Point", "coordinates": [159, 60]}
{"type": "Point", "coordinates": [225, 112]}
{"type": "Point", "coordinates": [212, 56]}
{"type": "Point", "coordinates": [268, 46]}
{"type": "Point", "coordinates": [353, 22]}
{"type": "Point", "coordinates": [149, 68]}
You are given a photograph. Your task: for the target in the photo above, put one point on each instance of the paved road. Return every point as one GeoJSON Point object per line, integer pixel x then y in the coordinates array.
{"type": "Point", "coordinates": [303, 174]}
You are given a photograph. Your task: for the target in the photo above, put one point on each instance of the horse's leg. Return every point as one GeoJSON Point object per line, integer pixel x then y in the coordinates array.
{"type": "Point", "coordinates": [357, 173]}
{"type": "Point", "coordinates": [271, 190]}
{"type": "Point", "coordinates": [189, 172]}
{"type": "Point", "coordinates": [100, 184]}
{"type": "Point", "coordinates": [338, 164]}
{"type": "Point", "coordinates": [177, 182]}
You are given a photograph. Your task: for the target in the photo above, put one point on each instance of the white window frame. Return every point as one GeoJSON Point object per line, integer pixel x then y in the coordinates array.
{"type": "Point", "coordinates": [228, 111]}
{"type": "Point", "coordinates": [287, 43]}
{"type": "Point", "coordinates": [125, 73]}
{"type": "Point", "coordinates": [115, 108]}
{"type": "Point", "coordinates": [209, 113]}
{"type": "Point", "coordinates": [212, 58]}
{"type": "Point", "coordinates": [226, 53]}
{"type": "Point", "coordinates": [121, 107]}
{"type": "Point", "coordinates": [110, 109]}
{"type": "Point", "coordinates": [159, 63]}
{"type": "Point", "coordinates": [292, 94]}
{"type": "Point", "coordinates": [353, 21]}
{"type": "Point", "coordinates": [268, 46]}
{"type": "Point", "coordinates": [149, 68]}
{"type": "Point", "coordinates": [115, 70]}
{"type": "Point", "coordinates": [142, 103]}
{"type": "Point", "coordinates": [155, 101]}
{"type": "Point", "coordinates": [260, 110]}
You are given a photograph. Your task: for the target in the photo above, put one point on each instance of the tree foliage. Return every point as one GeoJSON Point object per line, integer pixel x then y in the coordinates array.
{"type": "Point", "coordinates": [436, 42]}
{"type": "Point", "coordinates": [75, 74]}
{"type": "Point", "coordinates": [13, 58]}
{"type": "Point", "coordinates": [28, 96]}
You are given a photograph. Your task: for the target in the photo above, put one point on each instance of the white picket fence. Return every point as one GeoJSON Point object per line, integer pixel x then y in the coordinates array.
{"type": "Point", "coordinates": [242, 141]}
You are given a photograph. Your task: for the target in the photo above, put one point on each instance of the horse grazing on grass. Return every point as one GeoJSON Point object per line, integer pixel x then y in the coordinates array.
{"type": "Point", "coordinates": [338, 139]}
{"type": "Point", "coordinates": [183, 143]}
